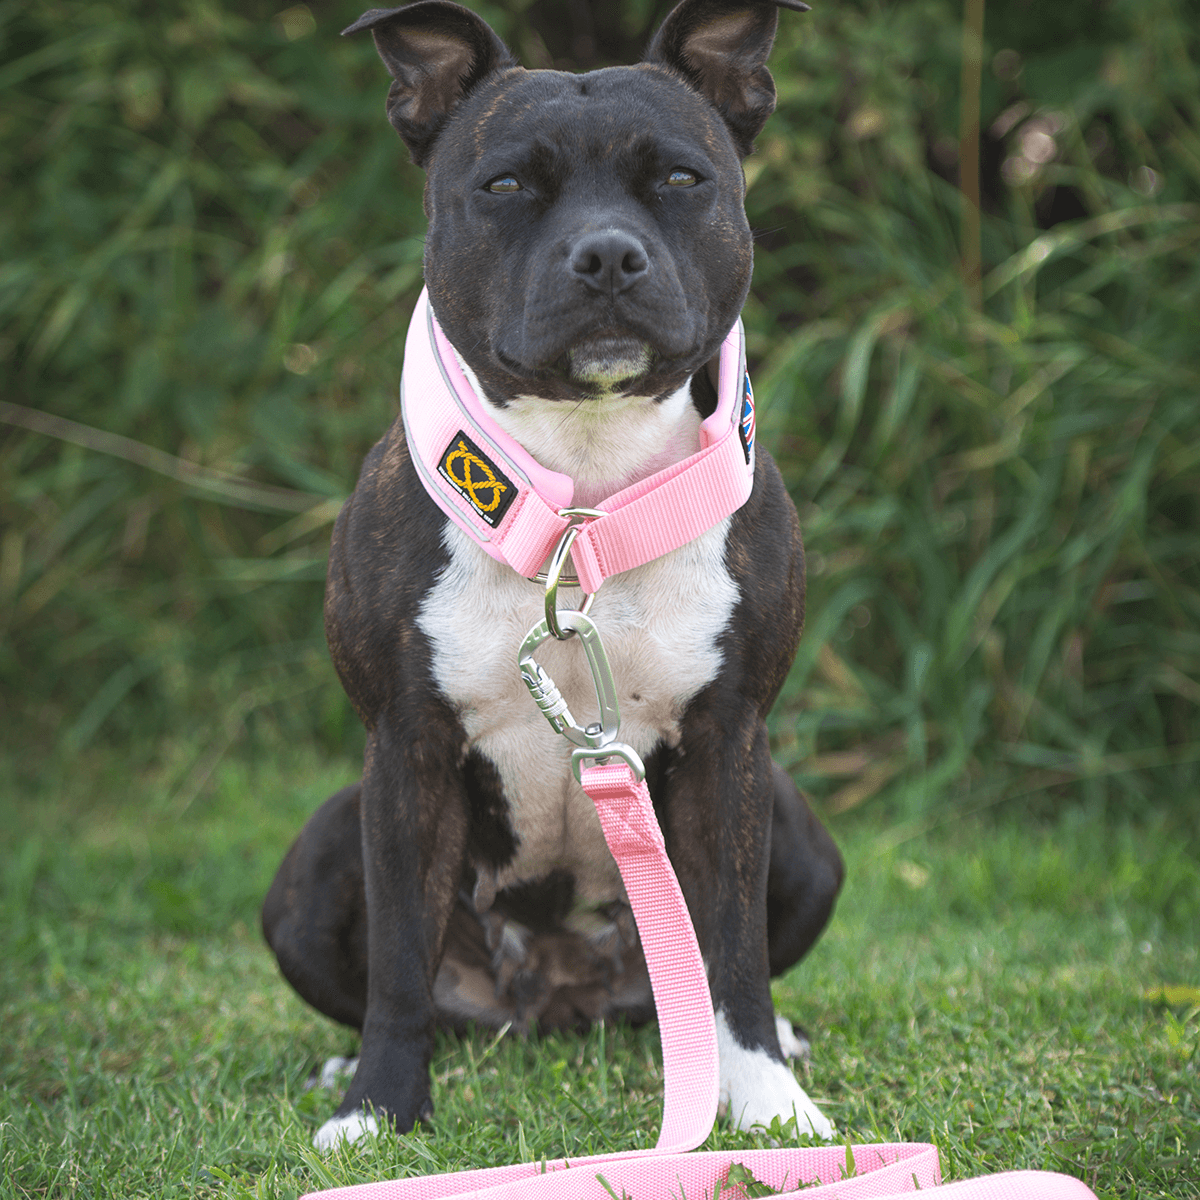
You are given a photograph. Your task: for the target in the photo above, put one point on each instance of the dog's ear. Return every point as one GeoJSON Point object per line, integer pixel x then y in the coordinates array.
{"type": "Point", "coordinates": [720, 47]}
{"type": "Point", "coordinates": [435, 52]}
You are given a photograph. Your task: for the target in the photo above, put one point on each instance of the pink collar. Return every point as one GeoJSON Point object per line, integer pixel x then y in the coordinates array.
{"type": "Point", "coordinates": [492, 488]}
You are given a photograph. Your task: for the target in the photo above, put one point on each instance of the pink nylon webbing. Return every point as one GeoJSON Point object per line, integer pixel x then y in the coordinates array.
{"type": "Point", "coordinates": [677, 977]}
{"type": "Point", "coordinates": [685, 1019]}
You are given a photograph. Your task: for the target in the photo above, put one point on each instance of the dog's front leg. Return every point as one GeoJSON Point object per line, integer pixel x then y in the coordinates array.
{"type": "Point", "coordinates": [719, 801]}
{"type": "Point", "coordinates": [414, 833]}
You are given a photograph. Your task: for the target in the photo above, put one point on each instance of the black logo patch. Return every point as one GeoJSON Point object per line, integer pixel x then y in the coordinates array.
{"type": "Point", "coordinates": [476, 479]}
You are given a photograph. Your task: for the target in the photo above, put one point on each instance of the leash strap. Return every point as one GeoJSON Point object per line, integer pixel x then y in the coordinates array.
{"type": "Point", "coordinates": [681, 996]}
{"type": "Point", "coordinates": [879, 1172]}
{"type": "Point", "coordinates": [498, 493]}
{"type": "Point", "coordinates": [677, 976]}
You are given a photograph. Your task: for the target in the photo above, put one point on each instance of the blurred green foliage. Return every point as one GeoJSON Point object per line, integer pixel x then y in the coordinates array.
{"type": "Point", "coordinates": [210, 242]}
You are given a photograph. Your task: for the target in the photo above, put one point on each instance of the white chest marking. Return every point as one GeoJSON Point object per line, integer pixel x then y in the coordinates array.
{"type": "Point", "coordinates": [659, 623]}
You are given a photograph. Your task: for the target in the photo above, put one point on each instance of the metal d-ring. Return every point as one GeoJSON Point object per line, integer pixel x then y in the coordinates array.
{"type": "Point", "coordinates": [553, 575]}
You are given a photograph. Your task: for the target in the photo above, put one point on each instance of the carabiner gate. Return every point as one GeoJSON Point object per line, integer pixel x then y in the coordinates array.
{"type": "Point", "coordinates": [597, 740]}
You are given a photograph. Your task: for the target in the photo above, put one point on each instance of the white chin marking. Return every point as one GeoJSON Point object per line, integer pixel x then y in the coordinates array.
{"type": "Point", "coordinates": [608, 361]}
{"type": "Point", "coordinates": [350, 1128]}
{"type": "Point", "coordinates": [755, 1089]}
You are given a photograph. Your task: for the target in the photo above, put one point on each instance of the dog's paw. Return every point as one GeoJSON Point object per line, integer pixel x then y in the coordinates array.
{"type": "Point", "coordinates": [348, 1128]}
{"type": "Point", "coordinates": [756, 1088]}
{"type": "Point", "coordinates": [769, 1091]}
{"type": "Point", "coordinates": [792, 1041]}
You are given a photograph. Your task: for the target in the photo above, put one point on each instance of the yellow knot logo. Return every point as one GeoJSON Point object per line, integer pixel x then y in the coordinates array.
{"type": "Point", "coordinates": [469, 483]}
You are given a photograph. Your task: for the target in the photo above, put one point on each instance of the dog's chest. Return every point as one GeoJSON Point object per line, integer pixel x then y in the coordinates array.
{"type": "Point", "coordinates": [660, 625]}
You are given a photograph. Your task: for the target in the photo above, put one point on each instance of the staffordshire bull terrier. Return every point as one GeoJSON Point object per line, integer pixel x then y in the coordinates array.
{"type": "Point", "coordinates": [587, 257]}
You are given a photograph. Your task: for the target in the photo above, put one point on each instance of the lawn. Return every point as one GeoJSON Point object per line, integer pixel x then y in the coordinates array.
{"type": "Point", "coordinates": [1022, 995]}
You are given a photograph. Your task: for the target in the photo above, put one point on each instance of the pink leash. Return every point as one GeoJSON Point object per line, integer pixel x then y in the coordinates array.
{"type": "Point", "coordinates": [493, 489]}
{"type": "Point", "coordinates": [689, 1051]}
{"type": "Point", "coordinates": [685, 1019]}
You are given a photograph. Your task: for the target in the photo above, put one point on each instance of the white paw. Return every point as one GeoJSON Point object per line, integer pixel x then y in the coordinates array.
{"type": "Point", "coordinates": [755, 1089]}
{"type": "Point", "coordinates": [350, 1128]}
{"type": "Point", "coordinates": [336, 1072]}
{"type": "Point", "coordinates": [793, 1044]}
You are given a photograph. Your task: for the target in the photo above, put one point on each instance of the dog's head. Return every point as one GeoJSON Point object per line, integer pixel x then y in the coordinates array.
{"type": "Point", "coordinates": [586, 232]}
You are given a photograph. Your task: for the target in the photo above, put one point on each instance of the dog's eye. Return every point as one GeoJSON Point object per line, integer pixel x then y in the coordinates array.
{"type": "Point", "coordinates": [503, 185]}
{"type": "Point", "coordinates": [681, 178]}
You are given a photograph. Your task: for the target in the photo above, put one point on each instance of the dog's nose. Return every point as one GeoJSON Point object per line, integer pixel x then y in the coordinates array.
{"type": "Point", "coordinates": [609, 261]}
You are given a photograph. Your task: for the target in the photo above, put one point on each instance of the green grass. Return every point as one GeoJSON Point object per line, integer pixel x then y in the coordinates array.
{"type": "Point", "coordinates": [208, 251]}
{"type": "Point", "coordinates": [984, 985]}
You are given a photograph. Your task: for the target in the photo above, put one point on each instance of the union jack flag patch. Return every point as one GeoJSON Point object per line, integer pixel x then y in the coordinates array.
{"type": "Point", "coordinates": [746, 426]}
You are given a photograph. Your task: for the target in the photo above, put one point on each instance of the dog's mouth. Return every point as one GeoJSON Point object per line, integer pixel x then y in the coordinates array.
{"type": "Point", "coordinates": [607, 362]}
{"type": "Point", "coordinates": [596, 365]}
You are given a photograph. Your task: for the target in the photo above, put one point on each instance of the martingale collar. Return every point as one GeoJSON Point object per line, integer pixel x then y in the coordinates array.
{"type": "Point", "coordinates": [492, 488]}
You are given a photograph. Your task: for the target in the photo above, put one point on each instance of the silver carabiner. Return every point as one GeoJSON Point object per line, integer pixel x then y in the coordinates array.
{"type": "Point", "coordinates": [549, 699]}
{"type": "Point", "coordinates": [597, 740]}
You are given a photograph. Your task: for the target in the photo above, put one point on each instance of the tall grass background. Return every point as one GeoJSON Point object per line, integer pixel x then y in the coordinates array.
{"type": "Point", "coordinates": [209, 245]}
